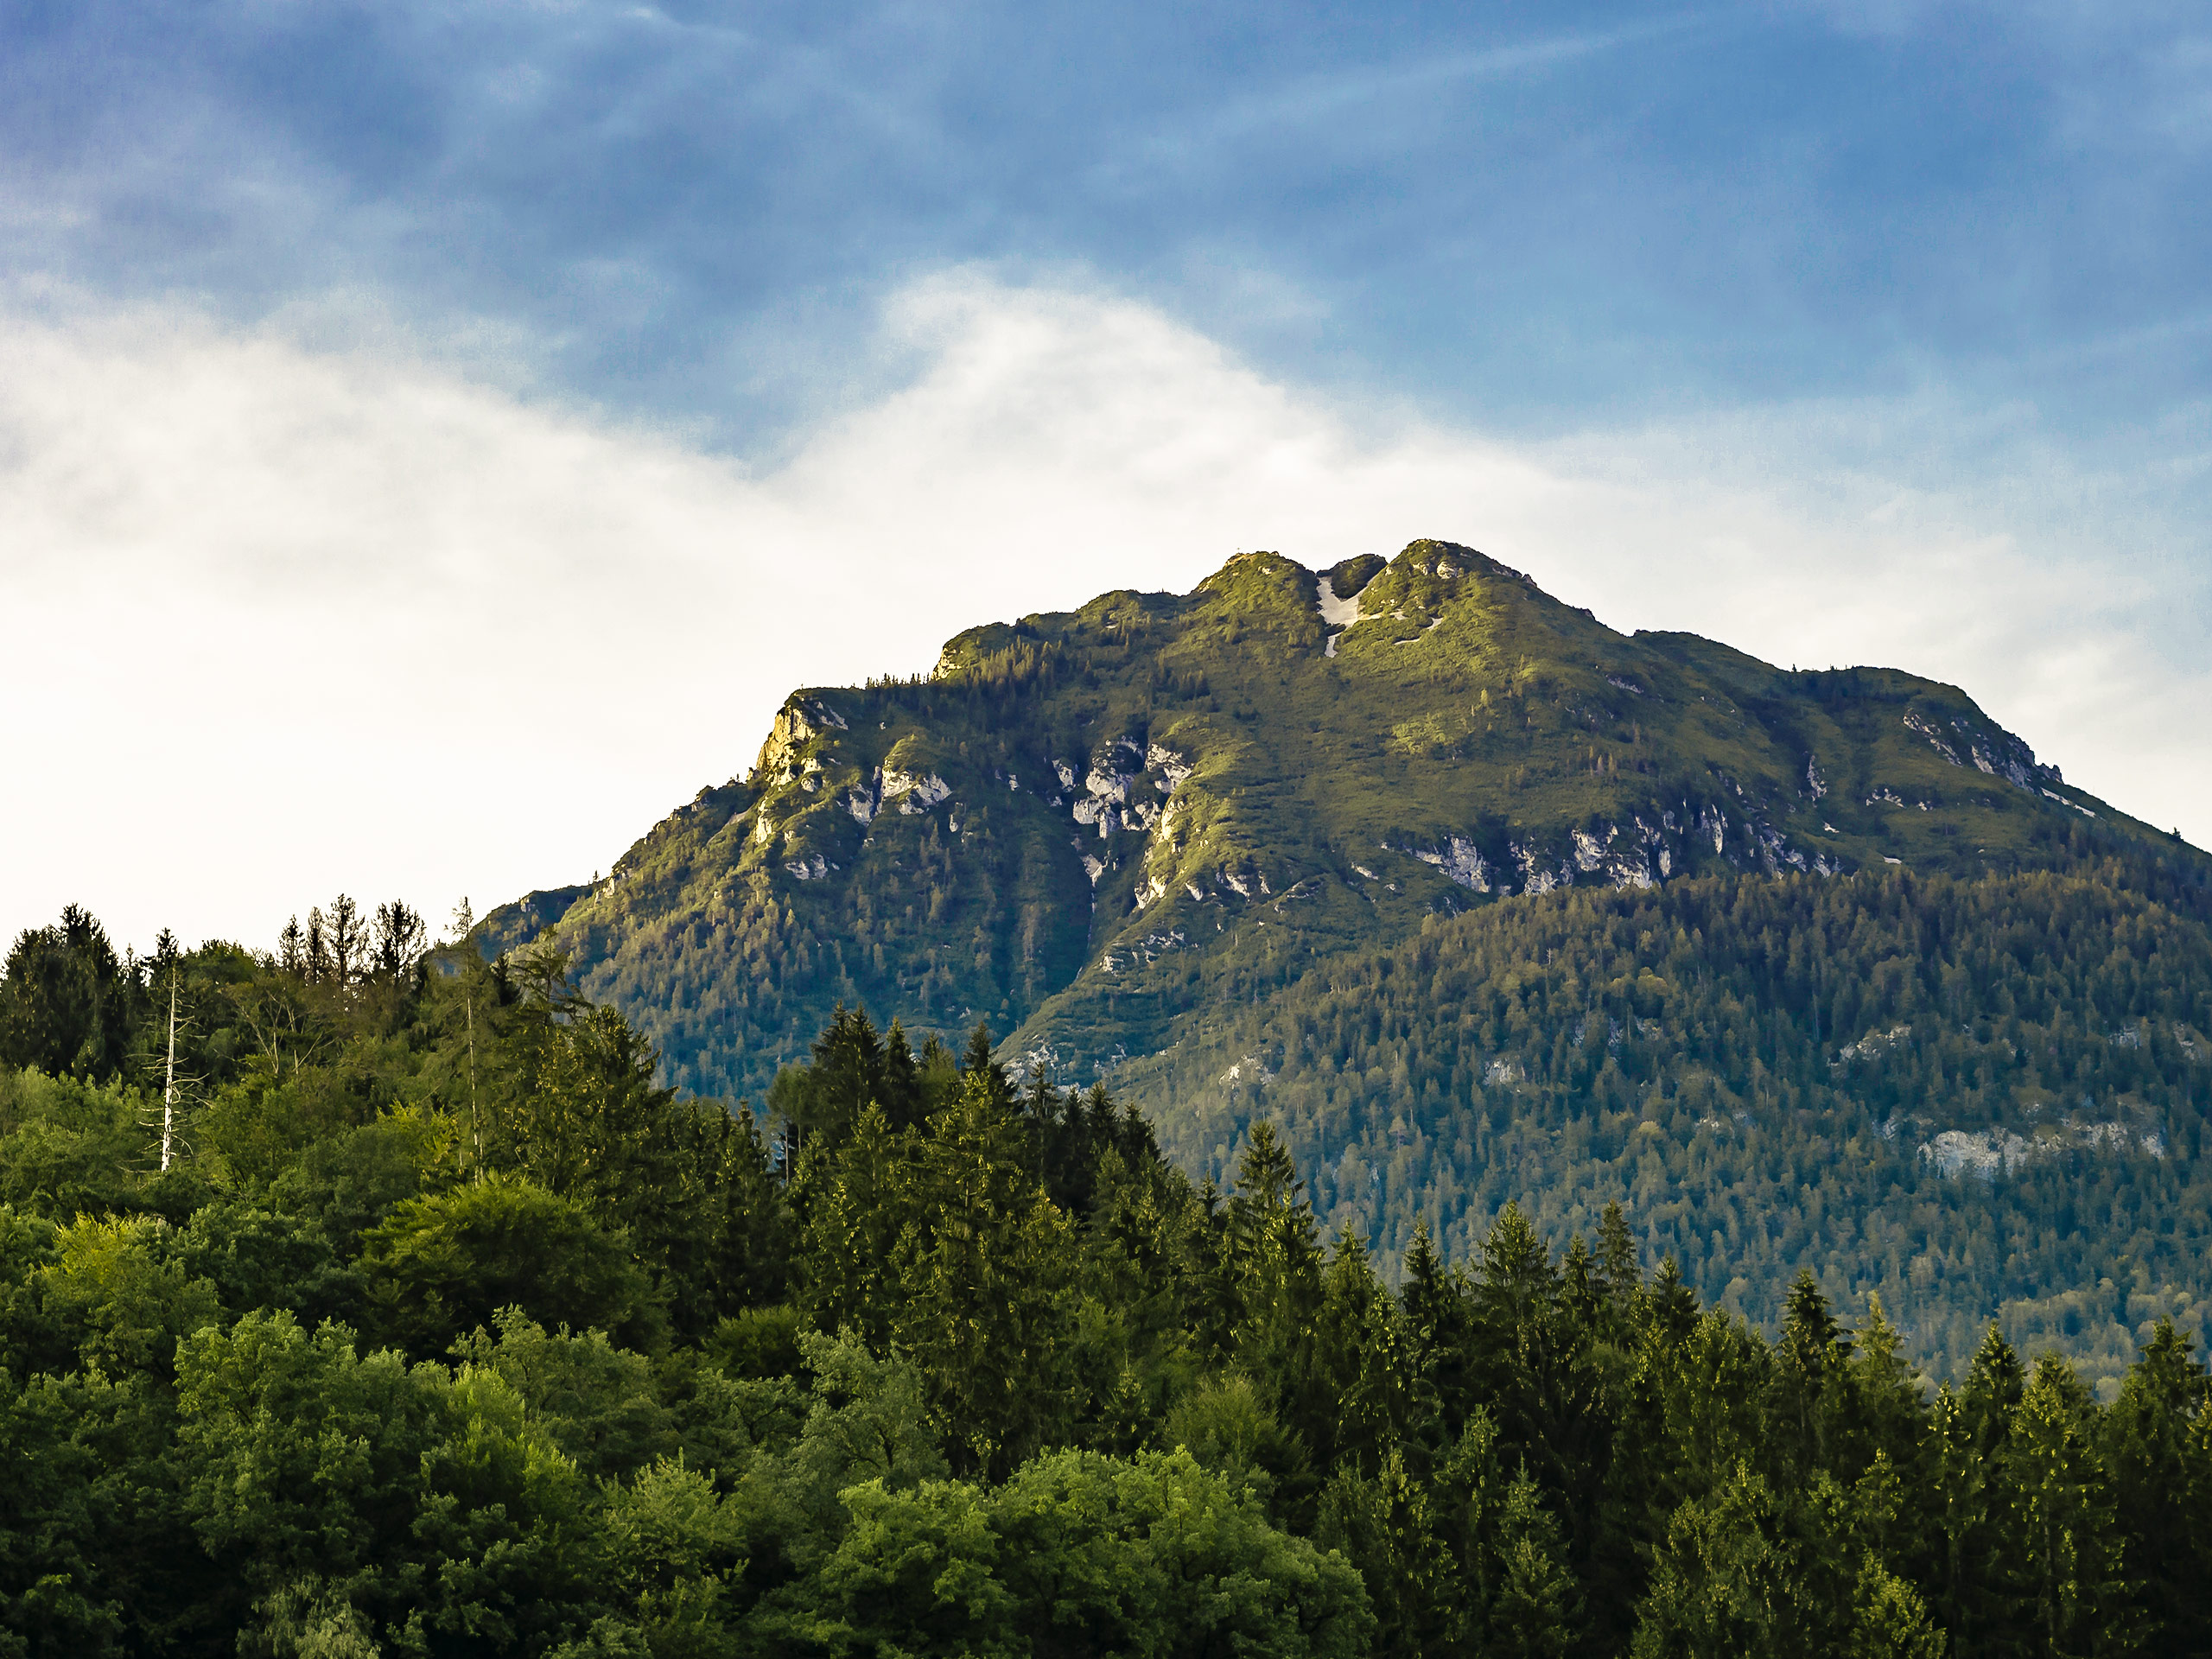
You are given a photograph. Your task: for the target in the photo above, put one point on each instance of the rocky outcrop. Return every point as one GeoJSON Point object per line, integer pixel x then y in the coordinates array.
{"type": "Point", "coordinates": [914, 792]}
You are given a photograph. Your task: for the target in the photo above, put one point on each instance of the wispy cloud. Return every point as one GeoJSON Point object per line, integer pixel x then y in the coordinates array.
{"type": "Point", "coordinates": [294, 614]}
{"type": "Point", "coordinates": [1329, 96]}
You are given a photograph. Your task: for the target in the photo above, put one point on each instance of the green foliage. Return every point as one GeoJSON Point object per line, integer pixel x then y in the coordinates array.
{"type": "Point", "coordinates": [1758, 1073]}
{"type": "Point", "coordinates": [988, 1376]}
{"type": "Point", "coordinates": [122, 1296]}
{"type": "Point", "coordinates": [1079, 1553]}
{"type": "Point", "coordinates": [67, 1003]}
{"type": "Point", "coordinates": [442, 1265]}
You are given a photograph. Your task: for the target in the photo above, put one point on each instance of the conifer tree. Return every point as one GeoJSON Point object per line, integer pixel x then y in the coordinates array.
{"type": "Point", "coordinates": [2063, 1536]}
{"type": "Point", "coordinates": [980, 1259]}
{"type": "Point", "coordinates": [1809, 1378]}
{"type": "Point", "coordinates": [1532, 1614]}
{"type": "Point", "coordinates": [1384, 1525]}
{"type": "Point", "coordinates": [2157, 1450]}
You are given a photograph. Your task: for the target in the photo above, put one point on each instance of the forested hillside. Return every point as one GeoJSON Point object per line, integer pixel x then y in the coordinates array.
{"type": "Point", "coordinates": [1971, 1097]}
{"type": "Point", "coordinates": [1087, 827]}
{"type": "Point", "coordinates": [439, 1328]}
{"type": "Point", "coordinates": [1472, 897]}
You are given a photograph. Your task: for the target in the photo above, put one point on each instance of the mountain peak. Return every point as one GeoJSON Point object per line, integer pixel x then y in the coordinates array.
{"type": "Point", "coordinates": [1084, 824]}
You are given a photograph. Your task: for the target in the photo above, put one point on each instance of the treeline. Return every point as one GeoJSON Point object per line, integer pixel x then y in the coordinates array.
{"type": "Point", "coordinates": [1752, 1069]}
{"type": "Point", "coordinates": [454, 1334]}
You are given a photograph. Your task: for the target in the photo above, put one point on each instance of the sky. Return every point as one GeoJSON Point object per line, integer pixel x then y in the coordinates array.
{"type": "Point", "coordinates": [434, 438]}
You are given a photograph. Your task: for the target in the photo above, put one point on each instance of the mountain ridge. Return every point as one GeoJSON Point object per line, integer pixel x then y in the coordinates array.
{"type": "Point", "coordinates": [1172, 786]}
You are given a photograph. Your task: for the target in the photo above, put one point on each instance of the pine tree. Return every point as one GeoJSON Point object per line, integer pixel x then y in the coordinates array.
{"type": "Point", "coordinates": [853, 1225]}
{"type": "Point", "coordinates": [980, 1069]}
{"type": "Point", "coordinates": [1726, 1583]}
{"type": "Point", "coordinates": [1365, 1358]}
{"type": "Point", "coordinates": [1439, 1324]}
{"type": "Point", "coordinates": [2157, 1451]}
{"type": "Point", "coordinates": [976, 1271]}
{"type": "Point", "coordinates": [1274, 1263]}
{"type": "Point", "coordinates": [1889, 1418]}
{"type": "Point", "coordinates": [1384, 1525]}
{"type": "Point", "coordinates": [1889, 1619]}
{"type": "Point", "coordinates": [2062, 1535]}
{"type": "Point", "coordinates": [1531, 1615]}
{"type": "Point", "coordinates": [1809, 1378]}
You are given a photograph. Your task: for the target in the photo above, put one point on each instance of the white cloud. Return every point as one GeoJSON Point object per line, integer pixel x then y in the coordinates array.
{"type": "Point", "coordinates": [282, 618]}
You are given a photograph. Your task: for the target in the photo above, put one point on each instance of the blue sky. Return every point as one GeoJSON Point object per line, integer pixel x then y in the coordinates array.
{"type": "Point", "coordinates": [1531, 215]}
{"type": "Point", "coordinates": [1904, 296]}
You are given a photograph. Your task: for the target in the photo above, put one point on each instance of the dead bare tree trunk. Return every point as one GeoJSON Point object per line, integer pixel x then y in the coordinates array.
{"type": "Point", "coordinates": [169, 1082]}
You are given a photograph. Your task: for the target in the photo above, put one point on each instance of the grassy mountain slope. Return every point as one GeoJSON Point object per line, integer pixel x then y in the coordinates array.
{"type": "Point", "coordinates": [1154, 834]}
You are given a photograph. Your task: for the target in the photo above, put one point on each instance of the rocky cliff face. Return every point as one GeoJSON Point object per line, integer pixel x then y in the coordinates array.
{"type": "Point", "coordinates": [1095, 830]}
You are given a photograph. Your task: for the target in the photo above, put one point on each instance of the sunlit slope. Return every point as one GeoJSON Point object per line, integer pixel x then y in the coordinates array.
{"type": "Point", "coordinates": [1096, 830]}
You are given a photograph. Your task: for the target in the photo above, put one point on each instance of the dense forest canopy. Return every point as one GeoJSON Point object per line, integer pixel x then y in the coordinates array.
{"type": "Point", "coordinates": [1966, 1096]}
{"type": "Point", "coordinates": [445, 1328]}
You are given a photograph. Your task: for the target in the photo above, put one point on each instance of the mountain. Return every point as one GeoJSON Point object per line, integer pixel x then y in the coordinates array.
{"type": "Point", "coordinates": [1477, 898]}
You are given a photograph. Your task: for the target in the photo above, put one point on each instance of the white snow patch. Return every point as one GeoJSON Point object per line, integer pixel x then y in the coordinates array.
{"type": "Point", "coordinates": [1337, 613]}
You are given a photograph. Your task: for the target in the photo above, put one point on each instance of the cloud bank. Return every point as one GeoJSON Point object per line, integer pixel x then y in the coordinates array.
{"type": "Point", "coordinates": [286, 616]}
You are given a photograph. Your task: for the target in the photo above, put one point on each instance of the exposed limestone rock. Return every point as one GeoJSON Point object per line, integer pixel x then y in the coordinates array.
{"type": "Point", "coordinates": [1988, 1154]}
{"type": "Point", "coordinates": [915, 794]}
{"type": "Point", "coordinates": [1171, 766]}
{"type": "Point", "coordinates": [1461, 862]}
{"type": "Point", "coordinates": [1872, 1045]}
{"type": "Point", "coordinates": [1252, 1067]}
